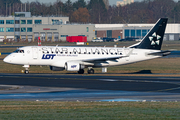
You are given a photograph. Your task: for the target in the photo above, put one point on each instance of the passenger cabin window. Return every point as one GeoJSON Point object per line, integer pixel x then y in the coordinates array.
{"type": "Point", "coordinates": [19, 51]}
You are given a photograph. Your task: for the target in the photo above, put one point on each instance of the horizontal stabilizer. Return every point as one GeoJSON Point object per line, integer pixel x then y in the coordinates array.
{"type": "Point", "coordinates": [162, 53]}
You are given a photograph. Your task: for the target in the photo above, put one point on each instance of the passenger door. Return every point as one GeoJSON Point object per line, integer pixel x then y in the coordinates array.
{"type": "Point", "coordinates": [126, 51]}
{"type": "Point", "coordinates": [35, 53]}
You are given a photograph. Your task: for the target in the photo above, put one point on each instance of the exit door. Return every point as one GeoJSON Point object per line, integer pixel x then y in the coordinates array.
{"type": "Point", "coordinates": [126, 51]}
{"type": "Point", "coordinates": [35, 52]}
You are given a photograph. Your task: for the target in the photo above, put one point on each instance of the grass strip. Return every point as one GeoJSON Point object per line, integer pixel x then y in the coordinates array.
{"type": "Point", "coordinates": [89, 110]}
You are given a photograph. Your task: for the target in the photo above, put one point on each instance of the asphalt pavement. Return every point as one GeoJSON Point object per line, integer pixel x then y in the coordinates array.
{"type": "Point", "coordinates": [73, 87]}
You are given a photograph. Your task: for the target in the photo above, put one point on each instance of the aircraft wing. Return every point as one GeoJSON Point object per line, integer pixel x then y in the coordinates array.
{"type": "Point", "coordinates": [162, 53]}
{"type": "Point", "coordinates": [108, 58]}
{"type": "Point", "coordinates": [102, 59]}
{"type": "Point", "coordinates": [91, 62]}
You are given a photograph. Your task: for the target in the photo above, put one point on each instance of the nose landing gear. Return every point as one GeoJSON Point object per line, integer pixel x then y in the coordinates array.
{"type": "Point", "coordinates": [26, 69]}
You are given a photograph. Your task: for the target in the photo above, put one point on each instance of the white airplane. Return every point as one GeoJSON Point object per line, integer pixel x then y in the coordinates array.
{"type": "Point", "coordinates": [61, 58]}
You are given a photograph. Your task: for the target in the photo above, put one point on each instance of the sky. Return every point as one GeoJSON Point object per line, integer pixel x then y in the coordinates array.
{"type": "Point", "coordinates": [111, 2]}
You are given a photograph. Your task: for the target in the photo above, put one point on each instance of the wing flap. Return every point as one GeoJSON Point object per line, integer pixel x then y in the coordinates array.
{"type": "Point", "coordinates": [92, 61]}
{"type": "Point", "coordinates": [102, 59]}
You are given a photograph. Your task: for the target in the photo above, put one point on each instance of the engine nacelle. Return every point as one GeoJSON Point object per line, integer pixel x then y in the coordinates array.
{"type": "Point", "coordinates": [56, 68]}
{"type": "Point", "coordinates": [73, 66]}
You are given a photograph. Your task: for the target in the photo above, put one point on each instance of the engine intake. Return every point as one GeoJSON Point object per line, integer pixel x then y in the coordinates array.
{"type": "Point", "coordinates": [73, 66]}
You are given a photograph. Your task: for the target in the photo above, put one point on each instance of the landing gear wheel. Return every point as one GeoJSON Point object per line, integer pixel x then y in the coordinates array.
{"type": "Point", "coordinates": [26, 71]}
{"type": "Point", "coordinates": [81, 71]}
{"type": "Point", "coordinates": [91, 71]}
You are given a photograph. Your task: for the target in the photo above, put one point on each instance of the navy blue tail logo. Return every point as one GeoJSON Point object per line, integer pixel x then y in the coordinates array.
{"type": "Point", "coordinates": [155, 39]}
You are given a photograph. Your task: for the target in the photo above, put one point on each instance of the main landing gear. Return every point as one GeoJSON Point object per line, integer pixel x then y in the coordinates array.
{"type": "Point", "coordinates": [26, 69]}
{"type": "Point", "coordinates": [81, 71]}
{"type": "Point", "coordinates": [90, 71]}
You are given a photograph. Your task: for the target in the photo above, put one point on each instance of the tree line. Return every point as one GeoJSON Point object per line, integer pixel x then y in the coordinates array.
{"type": "Point", "coordinates": [97, 11]}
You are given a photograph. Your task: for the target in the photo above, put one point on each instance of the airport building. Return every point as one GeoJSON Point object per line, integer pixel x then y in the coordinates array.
{"type": "Point", "coordinates": [124, 2]}
{"type": "Point", "coordinates": [23, 26]}
{"type": "Point", "coordinates": [123, 31]}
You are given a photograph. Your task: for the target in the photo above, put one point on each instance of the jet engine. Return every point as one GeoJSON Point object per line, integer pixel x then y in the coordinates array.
{"type": "Point", "coordinates": [73, 66]}
{"type": "Point", "coordinates": [56, 68]}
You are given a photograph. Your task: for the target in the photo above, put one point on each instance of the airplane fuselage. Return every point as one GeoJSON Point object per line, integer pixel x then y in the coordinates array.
{"type": "Point", "coordinates": [78, 58]}
{"type": "Point", "coordinates": [58, 56]}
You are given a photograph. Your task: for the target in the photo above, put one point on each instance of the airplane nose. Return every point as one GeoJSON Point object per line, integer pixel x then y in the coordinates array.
{"type": "Point", "coordinates": [7, 59]}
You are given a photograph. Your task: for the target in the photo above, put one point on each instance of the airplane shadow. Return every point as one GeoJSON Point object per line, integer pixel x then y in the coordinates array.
{"type": "Point", "coordinates": [139, 72]}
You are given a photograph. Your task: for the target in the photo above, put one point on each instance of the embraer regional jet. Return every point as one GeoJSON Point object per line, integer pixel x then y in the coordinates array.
{"type": "Point", "coordinates": [78, 58]}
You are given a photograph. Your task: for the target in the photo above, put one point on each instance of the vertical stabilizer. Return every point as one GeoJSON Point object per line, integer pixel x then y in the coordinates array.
{"type": "Point", "coordinates": [154, 38]}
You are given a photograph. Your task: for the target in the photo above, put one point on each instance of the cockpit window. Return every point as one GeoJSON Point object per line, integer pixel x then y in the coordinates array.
{"type": "Point", "coordinates": [19, 51]}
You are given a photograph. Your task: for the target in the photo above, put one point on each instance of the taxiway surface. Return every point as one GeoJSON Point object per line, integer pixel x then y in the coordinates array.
{"type": "Point", "coordinates": [73, 87]}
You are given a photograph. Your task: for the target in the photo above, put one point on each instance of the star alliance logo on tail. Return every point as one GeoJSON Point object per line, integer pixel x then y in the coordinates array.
{"type": "Point", "coordinates": [155, 39]}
